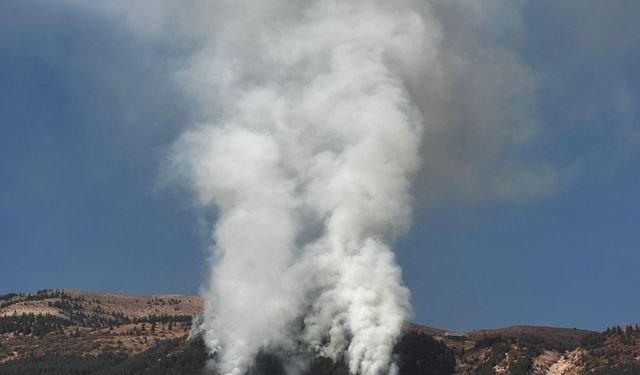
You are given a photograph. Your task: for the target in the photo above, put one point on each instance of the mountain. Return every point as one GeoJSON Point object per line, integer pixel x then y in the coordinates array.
{"type": "Point", "coordinates": [70, 322]}
{"type": "Point", "coordinates": [78, 332]}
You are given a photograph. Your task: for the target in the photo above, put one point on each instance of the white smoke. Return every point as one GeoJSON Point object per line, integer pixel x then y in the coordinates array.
{"type": "Point", "coordinates": [309, 161]}
{"type": "Point", "coordinates": [314, 119]}
{"type": "Point", "coordinates": [477, 97]}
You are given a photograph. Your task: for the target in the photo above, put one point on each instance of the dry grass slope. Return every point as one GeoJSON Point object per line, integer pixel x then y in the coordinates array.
{"type": "Point", "coordinates": [80, 325]}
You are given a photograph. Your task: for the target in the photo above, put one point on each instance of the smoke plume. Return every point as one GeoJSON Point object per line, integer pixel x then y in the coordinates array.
{"type": "Point", "coordinates": [309, 161]}
{"type": "Point", "coordinates": [313, 119]}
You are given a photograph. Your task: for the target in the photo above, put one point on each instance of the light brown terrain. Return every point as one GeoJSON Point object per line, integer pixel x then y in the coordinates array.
{"type": "Point", "coordinates": [90, 324]}
{"type": "Point", "coordinates": [95, 322]}
{"type": "Point", "coordinates": [109, 304]}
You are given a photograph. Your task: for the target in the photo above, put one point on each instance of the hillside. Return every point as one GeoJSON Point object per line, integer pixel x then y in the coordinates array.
{"type": "Point", "coordinates": [69, 322]}
{"type": "Point", "coordinates": [76, 332]}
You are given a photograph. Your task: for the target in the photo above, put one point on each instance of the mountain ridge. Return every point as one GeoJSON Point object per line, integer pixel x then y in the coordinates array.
{"type": "Point", "coordinates": [75, 326]}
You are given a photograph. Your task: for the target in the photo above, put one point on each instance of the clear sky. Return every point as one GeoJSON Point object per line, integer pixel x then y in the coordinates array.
{"type": "Point", "coordinates": [87, 112]}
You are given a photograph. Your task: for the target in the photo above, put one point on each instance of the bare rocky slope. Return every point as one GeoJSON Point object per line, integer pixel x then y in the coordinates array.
{"type": "Point", "coordinates": [78, 332]}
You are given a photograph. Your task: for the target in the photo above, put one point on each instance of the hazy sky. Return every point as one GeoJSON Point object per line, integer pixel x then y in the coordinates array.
{"type": "Point", "coordinates": [87, 112]}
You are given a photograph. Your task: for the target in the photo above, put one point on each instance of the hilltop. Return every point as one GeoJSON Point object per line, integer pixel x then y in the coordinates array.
{"type": "Point", "coordinates": [72, 322]}
{"type": "Point", "coordinates": [80, 332]}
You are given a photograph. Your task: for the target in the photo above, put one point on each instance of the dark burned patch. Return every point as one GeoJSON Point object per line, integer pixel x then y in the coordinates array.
{"type": "Point", "coordinates": [415, 354]}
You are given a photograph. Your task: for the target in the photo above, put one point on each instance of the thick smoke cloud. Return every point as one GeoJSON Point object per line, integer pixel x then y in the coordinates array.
{"type": "Point", "coordinates": [479, 103]}
{"type": "Point", "coordinates": [309, 161]}
{"type": "Point", "coordinates": [313, 119]}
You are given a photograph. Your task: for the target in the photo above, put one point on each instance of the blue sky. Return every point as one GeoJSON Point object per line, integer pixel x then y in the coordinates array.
{"type": "Point", "coordinates": [87, 112]}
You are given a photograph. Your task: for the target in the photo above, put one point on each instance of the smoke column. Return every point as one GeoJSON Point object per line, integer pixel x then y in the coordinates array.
{"type": "Point", "coordinates": [309, 160]}
{"type": "Point", "coordinates": [311, 116]}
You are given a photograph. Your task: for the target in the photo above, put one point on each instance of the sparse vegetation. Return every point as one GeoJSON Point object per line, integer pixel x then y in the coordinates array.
{"type": "Point", "coordinates": [59, 332]}
{"type": "Point", "coordinates": [622, 369]}
{"type": "Point", "coordinates": [169, 357]}
{"type": "Point", "coordinates": [30, 324]}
